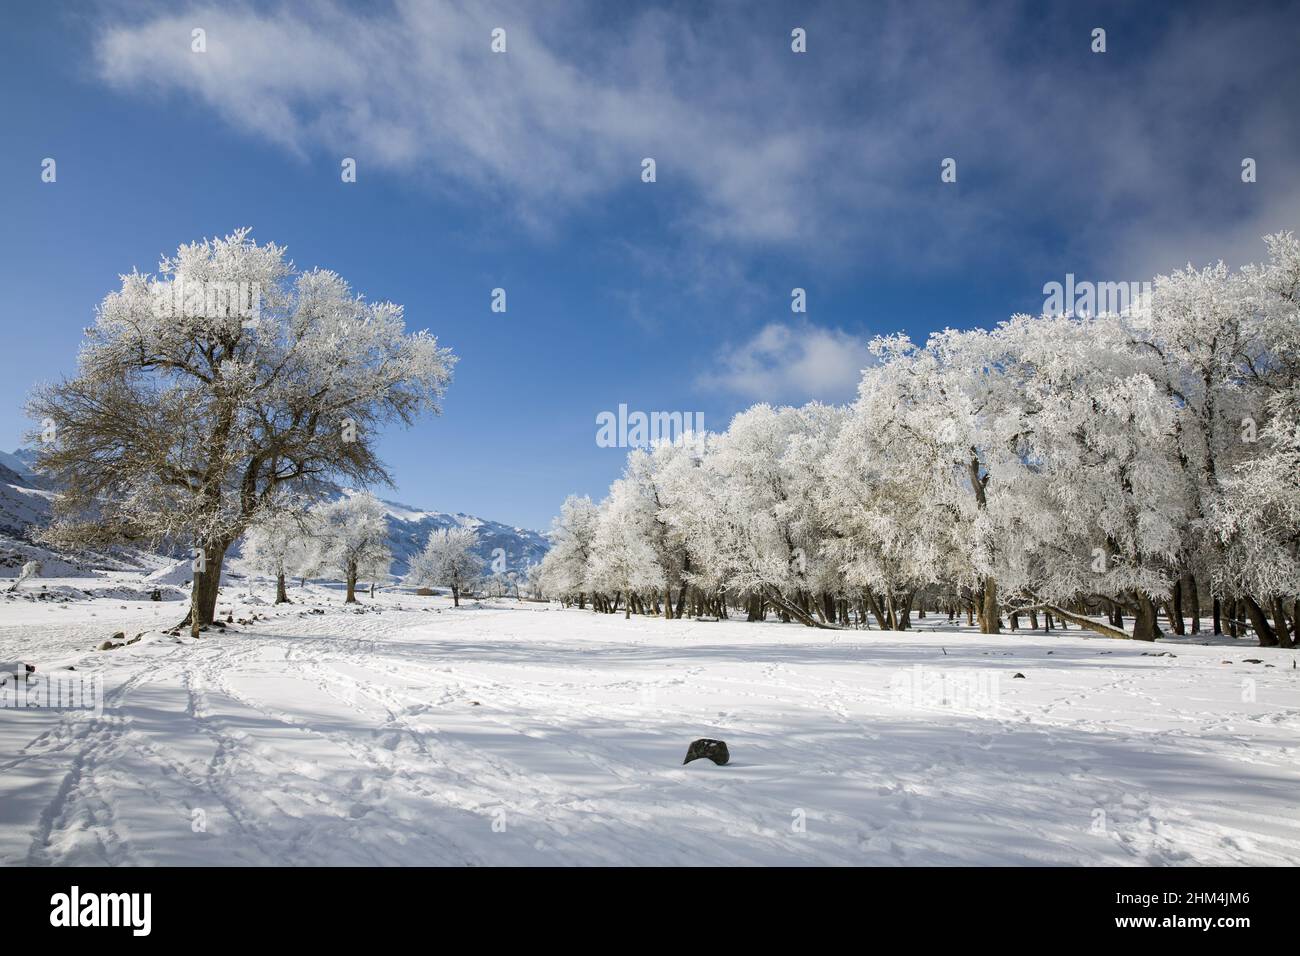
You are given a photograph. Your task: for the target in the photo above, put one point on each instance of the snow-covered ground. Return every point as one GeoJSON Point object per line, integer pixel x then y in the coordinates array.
{"type": "Point", "coordinates": [406, 732]}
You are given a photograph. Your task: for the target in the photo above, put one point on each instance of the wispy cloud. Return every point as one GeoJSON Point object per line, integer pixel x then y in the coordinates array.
{"type": "Point", "coordinates": [791, 362]}
{"type": "Point", "coordinates": [829, 154]}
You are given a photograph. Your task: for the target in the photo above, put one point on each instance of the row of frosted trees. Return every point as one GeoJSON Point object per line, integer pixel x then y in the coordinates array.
{"type": "Point", "coordinates": [348, 538]}
{"type": "Point", "coordinates": [1133, 474]}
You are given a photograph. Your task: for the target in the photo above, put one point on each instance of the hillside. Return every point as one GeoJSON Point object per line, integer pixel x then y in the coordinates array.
{"type": "Point", "coordinates": [25, 504]}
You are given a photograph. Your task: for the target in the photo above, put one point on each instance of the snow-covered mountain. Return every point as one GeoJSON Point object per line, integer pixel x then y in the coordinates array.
{"type": "Point", "coordinates": [19, 462]}
{"type": "Point", "coordinates": [409, 527]}
{"type": "Point", "coordinates": [25, 502]}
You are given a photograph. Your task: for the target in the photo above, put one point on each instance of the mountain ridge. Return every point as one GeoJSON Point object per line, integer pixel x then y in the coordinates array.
{"type": "Point", "coordinates": [26, 502]}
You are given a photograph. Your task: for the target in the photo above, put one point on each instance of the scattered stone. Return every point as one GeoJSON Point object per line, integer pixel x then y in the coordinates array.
{"type": "Point", "coordinates": [136, 638]}
{"type": "Point", "coordinates": [715, 750]}
{"type": "Point", "coordinates": [109, 646]}
{"type": "Point", "coordinates": [119, 636]}
{"type": "Point", "coordinates": [1158, 654]}
{"type": "Point", "coordinates": [1252, 660]}
{"type": "Point", "coordinates": [1019, 675]}
{"type": "Point", "coordinates": [155, 594]}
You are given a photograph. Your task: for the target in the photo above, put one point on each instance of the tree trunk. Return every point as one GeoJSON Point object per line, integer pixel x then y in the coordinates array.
{"type": "Point", "coordinates": [281, 596]}
{"type": "Point", "coordinates": [1084, 621]}
{"type": "Point", "coordinates": [1144, 622]}
{"type": "Point", "coordinates": [1256, 614]}
{"type": "Point", "coordinates": [795, 611]}
{"type": "Point", "coordinates": [874, 603]}
{"type": "Point", "coordinates": [203, 591]}
{"type": "Point", "coordinates": [1279, 623]}
{"type": "Point", "coordinates": [989, 621]}
{"type": "Point", "coordinates": [1193, 599]}
{"type": "Point", "coordinates": [1218, 616]}
{"type": "Point", "coordinates": [1176, 608]}
{"type": "Point", "coordinates": [352, 583]}
{"type": "Point", "coordinates": [455, 595]}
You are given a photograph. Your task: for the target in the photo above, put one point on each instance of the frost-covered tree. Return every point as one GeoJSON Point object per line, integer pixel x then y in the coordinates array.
{"type": "Point", "coordinates": [449, 560]}
{"type": "Point", "coordinates": [281, 544]}
{"type": "Point", "coordinates": [352, 535]}
{"type": "Point", "coordinates": [1254, 515]}
{"type": "Point", "coordinates": [624, 562]}
{"type": "Point", "coordinates": [563, 570]}
{"type": "Point", "coordinates": [183, 422]}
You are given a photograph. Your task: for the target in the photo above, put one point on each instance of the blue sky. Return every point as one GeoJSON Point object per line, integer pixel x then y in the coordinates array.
{"type": "Point", "coordinates": [522, 170]}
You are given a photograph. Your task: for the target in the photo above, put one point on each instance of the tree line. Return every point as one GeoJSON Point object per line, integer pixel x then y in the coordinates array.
{"type": "Point", "coordinates": [1134, 474]}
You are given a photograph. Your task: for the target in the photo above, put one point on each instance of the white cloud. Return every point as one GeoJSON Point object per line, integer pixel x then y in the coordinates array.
{"type": "Point", "coordinates": [794, 362]}
{"type": "Point", "coordinates": [833, 154]}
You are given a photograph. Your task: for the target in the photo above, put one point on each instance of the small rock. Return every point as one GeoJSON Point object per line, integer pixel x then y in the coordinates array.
{"type": "Point", "coordinates": [119, 636]}
{"type": "Point", "coordinates": [715, 750]}
{"type": "Point", "coordinates": [1019, 675]}
{"type": "Point", "coordinates": [155, 595]}
{"type": "Point", "coordinates": [1252, 660]}
{"type": "Point", "coordinates": [109, 646]}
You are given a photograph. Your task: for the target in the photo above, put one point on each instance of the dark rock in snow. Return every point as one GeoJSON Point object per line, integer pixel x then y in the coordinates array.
{"type": "Point", "coordinates": [1252, 660]}
{"type": "Point", "coordinates": [155, 595]}
{"type": "Point", "coordinates": [1020, 675]}
{"type": "Point", "coordinates": [715, 750]}
{"type": "Point", "coordinates": [17, 670]}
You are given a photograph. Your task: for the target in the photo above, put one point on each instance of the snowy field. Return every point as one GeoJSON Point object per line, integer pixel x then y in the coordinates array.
{"type": "Point", "coordinates": [407, 732]}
